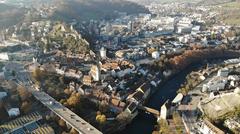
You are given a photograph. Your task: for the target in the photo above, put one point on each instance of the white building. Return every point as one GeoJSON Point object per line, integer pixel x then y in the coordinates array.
{"type": "Point", "coordinates": [4, 57]}
{"type": "Point", "coordinates": [3, 94]}
{"type": "Point", "coordinates": [73, 73]}
{"type": "Point", "coordinates": [233, 77]}
{"type": "Point", "coordinates": [155, 55]}
{"type": "Point", "coordinates": [215, 84]}
{"type": "Point", "coordinates": [95, 72]}
{"type": "Point", "coordinates": [11, 109]}
{"type": "Point", "coordinates": [207, 127]}
{"type": "Point", "coordinates": [13, 112]}
{"type": "Point", "coordinates": [223, 72]}
{"type": "Point", "coordinates": [103, 53]}
{"type": "Point", "coordinates": [232, 123]}
{"type": "Point", "coordinates": [184, 25]}
{"type": "Point", "coordinates": [2, 76]}
{"type": "Point", "coordinates": [165, 110]}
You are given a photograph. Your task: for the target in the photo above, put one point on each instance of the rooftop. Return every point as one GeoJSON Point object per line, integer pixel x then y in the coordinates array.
{"type": "Point", "coordinates": [19, 122]}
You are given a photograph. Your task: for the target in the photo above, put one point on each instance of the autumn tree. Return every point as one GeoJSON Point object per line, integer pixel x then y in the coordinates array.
{"type": "Point", "coordinates": [124, 117]}
{"type": "Point", "coordinates": [37, 74]}
{"type": "Point", "coordinates": [73, 100]}
{"type": "Point", "coordinates": [103, 107]}
{"type": "Point", "coordinates": [101, 119]}
{"type": "Point", "coordinates": [178, 121]}
{"type": "Point", "coordinates": [67, 91]}
{"type": "Point", "coordinates": [164, 127]}
{"type": "Point", "coordinates": [73, 131]}
{"type": "Point", "coordinates": [61, 123]}
{"type": "Point", "coordinates": [26, 107]}
{"type": "Point", "coordinates": [23, 93]}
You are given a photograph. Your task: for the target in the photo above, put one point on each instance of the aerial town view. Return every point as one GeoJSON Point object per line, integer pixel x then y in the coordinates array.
{"type": "Point", "coordinates": [119, 66]}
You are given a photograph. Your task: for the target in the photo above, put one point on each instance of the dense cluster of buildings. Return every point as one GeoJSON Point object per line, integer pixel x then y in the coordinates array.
{"type": "Point", "coordinates": [212, 99]}
{"type": "Point", "coordinates": [26, 124]}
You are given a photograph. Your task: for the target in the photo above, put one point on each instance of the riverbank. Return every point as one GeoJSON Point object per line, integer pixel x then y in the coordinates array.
{"type": "Point", "coordinates": [144, 123]}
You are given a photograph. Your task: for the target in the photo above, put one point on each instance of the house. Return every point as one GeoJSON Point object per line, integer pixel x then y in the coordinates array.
{"type": "Point", "coordinates": [233, 77]}
{"type": "Point", "coordinates": [12, 109]}
{"type": "Point", "coordinates": [178, 99]}
{"type": "Point", "coordinates": [145, 89]}
{"type": "Point", "coordinates": [131, 108]}
{"type": "Point", "coordinates": [136, 97]}
{"type": "Point", "coordinates": [60, 70]}
{"type": "Point", "coordinates": [103, 53]}
{"type": "Point", "coordinates": [116, 105]}
{"type": "Point", "coordinates": [165, 110]}
{"type": "Point", "coordinates": [215, 84]}
{"type": "Point", "coordinates": [155, 55]}
{"type": "Point", "coordinates": [95, 72]}
{"type": "Point", "coordinates": [4, 57]}
{"type": "Point", "coordinates": [73, 73]}
{"type": "Point", "coordinates": [87, 80]}
{"type": "Point", "coordinates": [223, 72]}
{"type": "Point", "coordinates": [233, 124]}
{"type": "Point", "coordinates": [237, 90]}
{"type": "Point", "coordinates": [72, 86]}
{"type": "Point", "coordinates": [3, 94]}
{"type": "Point", "coordinates": [207, 127]}
{"type": "Point", "coordinates": [2, 75]}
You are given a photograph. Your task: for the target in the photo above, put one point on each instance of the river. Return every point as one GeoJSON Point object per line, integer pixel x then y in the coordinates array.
{"type": "Point", "coordinates": [144, 123]}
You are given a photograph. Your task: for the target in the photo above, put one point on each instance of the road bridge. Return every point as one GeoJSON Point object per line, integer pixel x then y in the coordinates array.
{"type": "Point", "coordinates": [64, 113]}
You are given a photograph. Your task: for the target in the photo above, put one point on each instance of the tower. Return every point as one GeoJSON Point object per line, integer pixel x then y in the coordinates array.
{"type": "Point", "coordinates": [130, 26]}
{"type": "Point", "coordinates": [95, 72]}
{"type": "Point", "coordinates": [103, 53]}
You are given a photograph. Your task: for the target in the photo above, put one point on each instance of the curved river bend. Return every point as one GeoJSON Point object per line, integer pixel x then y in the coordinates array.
{"type": "Point", "coordinates": [144, 123]}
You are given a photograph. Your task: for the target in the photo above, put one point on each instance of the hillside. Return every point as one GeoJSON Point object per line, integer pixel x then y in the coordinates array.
{"type": "Point", "coordinates": [213, 2]}
{"type": "Point", "coordinates": [95, 9]}
{"type": "Point", "coordinates": [66, 38]}
{"type": "Point", "coordinates": [10, 15]}
{"type": "Point", "coordinates": [229, 13]}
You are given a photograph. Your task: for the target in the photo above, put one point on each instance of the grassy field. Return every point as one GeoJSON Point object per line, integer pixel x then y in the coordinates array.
{"type": "Point", "coordinates": [230, 13]}
{"type": "Point", "coordinates": [1, 66]}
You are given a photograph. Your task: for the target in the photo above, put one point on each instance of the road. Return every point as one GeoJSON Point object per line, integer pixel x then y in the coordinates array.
{"type": "Point", "coordinates": [64, 113]}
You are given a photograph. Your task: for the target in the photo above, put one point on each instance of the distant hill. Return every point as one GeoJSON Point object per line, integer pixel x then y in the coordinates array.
{"type": "Point", "coordinates": [161, 1]}
{"type": "Point", "coordinates": [229, 13]}
{"type": "Point", "coordinates": [10, 15]}
{"type": "Point", "coordinates": [95, 9]}
{"type": "Point", "coordinates": [213, 2]}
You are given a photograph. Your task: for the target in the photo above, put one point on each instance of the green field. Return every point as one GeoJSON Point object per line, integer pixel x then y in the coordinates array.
{"type": "Point", "coordinates": [230, 13]}
{"type": "Point", "coordinates": [1, 66]}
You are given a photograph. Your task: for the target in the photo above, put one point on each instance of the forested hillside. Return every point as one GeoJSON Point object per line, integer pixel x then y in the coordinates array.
{"type": "Point", "coordinates": [95, 9]}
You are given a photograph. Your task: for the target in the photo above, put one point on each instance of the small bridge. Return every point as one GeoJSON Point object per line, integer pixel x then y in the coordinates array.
{"type": "Point", "coordinates": [150, 110]}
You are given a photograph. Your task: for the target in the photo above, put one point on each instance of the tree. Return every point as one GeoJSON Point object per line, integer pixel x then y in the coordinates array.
{"type": "Point", "coordinates": [155, 132]}
{"type": "Point", "coordinates": [178, 121]}
{"type": "Point", "coordinates": [73, 100]}
{"type": "Point", "coordinates": [23, 93]}
{"type": "Point", "coordinates": [61, 123]}
{"type": "Point", "coordinates": [25, 107]}
{"type": "Point", "coordinates": [103, 107]}
{"type": "Point", "coordinates": [13, 73]}
{"type": "Point", "coordinates": [67, 91]}
{"type": "Point", "coordinates": [164, 128]}
{"type": "Point", "coordinates": [37, 74]}
{"type": "Point", "coordinates": [101, 119]}
{"type": "Point", "coordinates": [73, 131]}
{"type": "Point", "coordinates": [124, 117]}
